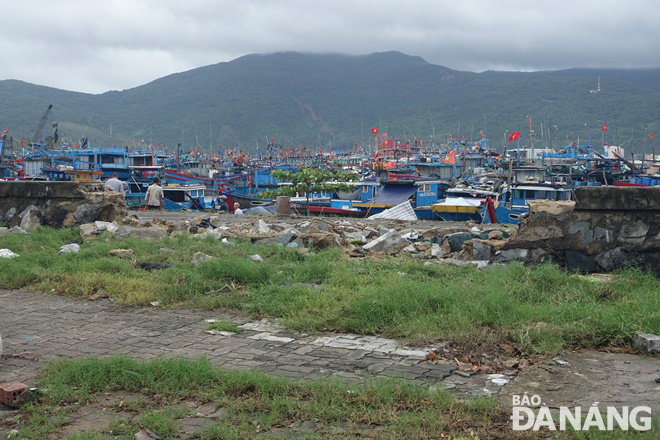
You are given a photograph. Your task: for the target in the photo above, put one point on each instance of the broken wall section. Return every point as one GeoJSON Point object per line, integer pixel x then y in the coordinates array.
{"type": "Point", "coordinates": [28, 204]}
{"type": "Point", "coordinates": [605, 229]}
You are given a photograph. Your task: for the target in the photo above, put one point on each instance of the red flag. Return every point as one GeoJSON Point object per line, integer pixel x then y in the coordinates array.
{"type": "Point", "coordinates": [604, 127]}
{"type": "Point", "coordinates": [386, 143]}
{"type": "Point", "coordinates": [384, 135]}
{"type": "Point", "coordinates": [450, 158]}
{"type": "Point", "coordinates": [374, 131]}
{"type": "Point", "coordinates": [651, 136]}
{"type": "Point", "coordinates": [529, 121]}
{"type": "Point", "coordinates": [514, 136]}
{"type": "Point", "coordinates": [481, 132]}
{"type": "Point", "coordinates": [5, 131]}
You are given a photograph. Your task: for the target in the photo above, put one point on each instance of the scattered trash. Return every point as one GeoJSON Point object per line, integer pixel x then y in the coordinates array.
{"type": "Point", "coordinates": [148, 265]}
{"type": "Point", "coordinates": [218, 332]}
{"type": "Point", "coordinates": [560, 361]}
{"type": "Point", "coordinates": [498, 379]}
{"type": "Point", "coordinates": [69, 248]}
{"type": "Point", "coordinates": [256, 258]}
{"type": "Point", "coordinates": [155, 303]}
{"type": "Point", "coordinates": [6, 253]}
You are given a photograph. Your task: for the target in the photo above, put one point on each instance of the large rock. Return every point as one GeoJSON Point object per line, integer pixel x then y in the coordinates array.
{"type": "Point", "coordinates": [147, 234]}
{"type": "Point", "coordinates": [87, 231]}
{"type": "Point", "coordinates": [201, 257]}
{"type": "Point", "coordinates": [121, 253]}
{"type": "Point", "coordinates": [281, 239]}
{"type": "Point", "coordinates": [30, 218]}
{"type": "Point", "coordinates": [261, 228]}
{"type": "Point", "coordinates": [86, 213]}
{"type": "Point", "coordinates": [389, 243]}
{"type": "Point", "coordinates": [617, 258]}
{"type": "Point", "coordinates": [510, 255]}
{"type": "Point", "coordinates": [633, 233]}
{"type": "Point", "coordinates": [647, 343]}
{"type": "Point", "coordinates": [579, 262]}
{"type": "Point", "coordinates": [481, 251]}
{"type": "Point", "coordinates": [586, 234]}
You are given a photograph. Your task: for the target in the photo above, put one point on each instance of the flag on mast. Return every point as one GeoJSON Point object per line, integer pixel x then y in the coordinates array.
{"type": "Point", "coordinates": [604, 127]}
{"type": "Point", "coordinates": [514, 136]}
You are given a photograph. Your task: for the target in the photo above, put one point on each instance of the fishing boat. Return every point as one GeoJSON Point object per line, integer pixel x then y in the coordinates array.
{"type": "Point", "coordinates": [422, 194]}
{"type": "Point", "coordinates": [511, 205]}
{"type": "Point", "coordinates": [175, 198]}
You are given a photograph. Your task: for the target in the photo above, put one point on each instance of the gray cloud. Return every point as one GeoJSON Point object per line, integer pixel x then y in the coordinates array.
{"type": "Point", "coordinates": [99, 45]}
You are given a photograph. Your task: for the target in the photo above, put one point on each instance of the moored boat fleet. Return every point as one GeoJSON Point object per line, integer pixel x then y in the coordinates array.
{"type": "Point", "coordinates": [406, 182]}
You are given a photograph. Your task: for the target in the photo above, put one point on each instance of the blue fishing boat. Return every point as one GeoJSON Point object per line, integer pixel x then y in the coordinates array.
{"type": "Point", "coordinates": [510, 206]}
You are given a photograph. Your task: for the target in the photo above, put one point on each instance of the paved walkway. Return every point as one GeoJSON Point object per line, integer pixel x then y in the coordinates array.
{"type": "Point", "coordinates": [36, 327]}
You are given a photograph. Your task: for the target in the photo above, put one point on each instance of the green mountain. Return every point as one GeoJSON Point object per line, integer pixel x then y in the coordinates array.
{"type": "Point", "coordinates": [335, 100]}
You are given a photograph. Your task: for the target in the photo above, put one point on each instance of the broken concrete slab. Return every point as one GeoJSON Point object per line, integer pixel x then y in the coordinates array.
{"type": "Point", "coordinates": [147, 234]}
{"type": "Point", "coordinates": [647, 343]}
{"type": "Point", "coordinates": [390, 243]}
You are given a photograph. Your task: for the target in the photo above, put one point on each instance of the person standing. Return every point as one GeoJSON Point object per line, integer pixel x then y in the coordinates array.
{"type": "Point", "coordinates": [222, 203]}
{"type": "Point", "coordinates": [115, 184]}
{"type": "Point", "coordinates": [154, 197]}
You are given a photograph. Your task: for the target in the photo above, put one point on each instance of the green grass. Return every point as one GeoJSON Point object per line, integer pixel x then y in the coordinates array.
{"type": "Point", "coordinates": [393, 407]}
{"type": "Point", "coordinates": [540, 309]}
{"type": "Point", "coordinates": [256, 405]}
{"type": "Point", "coordinates": [224, 326]}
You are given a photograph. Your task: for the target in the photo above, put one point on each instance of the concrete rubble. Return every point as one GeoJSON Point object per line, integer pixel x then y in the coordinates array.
{"type": "Point", "coordinates": [575, 235]}
{"type": "Point", "coordinates": [606, 229]}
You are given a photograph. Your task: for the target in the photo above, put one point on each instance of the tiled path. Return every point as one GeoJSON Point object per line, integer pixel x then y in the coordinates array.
{"type": "Point", "coordinates": [39, 327]}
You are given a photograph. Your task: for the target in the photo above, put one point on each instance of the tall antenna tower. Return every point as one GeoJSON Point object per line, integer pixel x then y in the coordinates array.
{"type": "Point", "coordinates": [597, 88]}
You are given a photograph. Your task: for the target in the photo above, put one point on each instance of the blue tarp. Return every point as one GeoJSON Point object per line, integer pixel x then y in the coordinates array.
{"type": "Point", "coordinates": [394, 194]}
{"type": "Point", "coordinates": [271, 209]}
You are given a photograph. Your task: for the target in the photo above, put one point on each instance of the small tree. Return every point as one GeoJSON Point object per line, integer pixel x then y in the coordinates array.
{"type": "Point", "coordinates": [309, 181]}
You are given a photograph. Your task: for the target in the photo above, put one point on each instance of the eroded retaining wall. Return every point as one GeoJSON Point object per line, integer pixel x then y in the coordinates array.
{"type": "Point", "coordinates": [58, 203]}
{"type": "Point", "coordinates": [608, 228]}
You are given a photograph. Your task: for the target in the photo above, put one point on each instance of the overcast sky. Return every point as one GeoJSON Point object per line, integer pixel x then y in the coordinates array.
{"type": "Point", "coordinates": [99, 45]}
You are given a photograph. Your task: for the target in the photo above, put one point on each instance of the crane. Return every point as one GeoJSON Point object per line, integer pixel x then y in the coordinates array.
{"type": "Point", "coordinates": [42, 123]}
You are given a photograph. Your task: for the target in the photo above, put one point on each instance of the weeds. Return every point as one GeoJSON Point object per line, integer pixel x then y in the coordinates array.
{"type": "Point", "coordinates": [540, 309]}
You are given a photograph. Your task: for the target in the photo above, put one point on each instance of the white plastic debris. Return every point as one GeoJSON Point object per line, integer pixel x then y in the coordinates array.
{"type": "Point", "coordinates": [475, 230]}
{"type": "Point", "coordinates": [560, 361]}
{"type": "Point", "coordinates": [6, 253]}
{"type": "Point", "coordinates": [69, 248]}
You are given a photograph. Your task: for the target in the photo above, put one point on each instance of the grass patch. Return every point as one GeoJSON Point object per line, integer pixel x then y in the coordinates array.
{"type": "Point", "coordinates": [255, 405]}
{"type": "Point", "coordinates": [540, 309]}
{"type": "Point", "coordinates": [224, 326]}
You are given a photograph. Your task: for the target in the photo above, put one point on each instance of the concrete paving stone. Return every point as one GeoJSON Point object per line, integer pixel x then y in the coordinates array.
{"type": "Point", "coordinates": [294, 359]}
{"type": "Point", "coordinates": [330, 353]}
{"type": "Point", "coordinates": [377, 368]}
{"type": "Point", "coordinates": [298, 369]}
{"type": "Point", "coordinates": [304, 349]}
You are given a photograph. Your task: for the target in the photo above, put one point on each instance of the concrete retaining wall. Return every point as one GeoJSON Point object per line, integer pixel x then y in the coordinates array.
{"type": "Point", "coordinates": [610, 227]}
{"type": "Point", "coordinates": [58, 203]}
